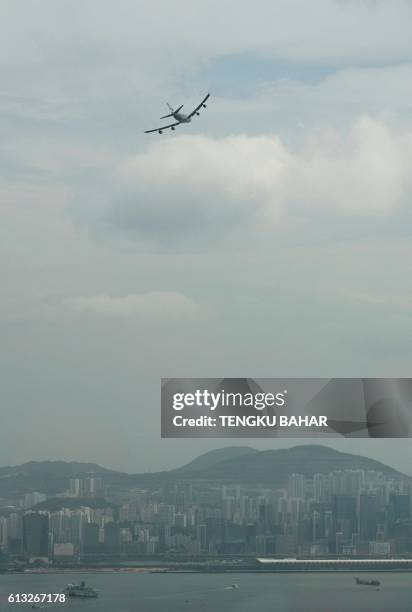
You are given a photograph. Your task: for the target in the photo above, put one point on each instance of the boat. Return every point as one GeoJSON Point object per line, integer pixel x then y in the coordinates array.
{"type": "Point", "coordinates": [80, 590]}
{"type": "Point", "coordinates": [368, 582]}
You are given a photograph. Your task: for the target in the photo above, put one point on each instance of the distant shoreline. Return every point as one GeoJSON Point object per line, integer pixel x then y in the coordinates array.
{"type": "Point", "coordinates": [162, 570]}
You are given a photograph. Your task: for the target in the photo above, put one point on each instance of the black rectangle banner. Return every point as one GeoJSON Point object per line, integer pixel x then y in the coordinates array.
{"type": "Point", "coordinates": [286, 407]}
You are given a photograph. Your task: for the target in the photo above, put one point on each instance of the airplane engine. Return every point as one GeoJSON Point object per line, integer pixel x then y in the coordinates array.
{"type": "Point", "coordinates": [178, 117]}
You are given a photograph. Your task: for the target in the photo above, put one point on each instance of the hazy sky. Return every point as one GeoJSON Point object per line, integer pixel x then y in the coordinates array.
{"type": "Point", "coordinates": [271, 237]}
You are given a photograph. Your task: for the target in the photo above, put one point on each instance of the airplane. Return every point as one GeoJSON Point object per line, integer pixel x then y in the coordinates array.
{"type": "Point", "coordinates": [180, 117]}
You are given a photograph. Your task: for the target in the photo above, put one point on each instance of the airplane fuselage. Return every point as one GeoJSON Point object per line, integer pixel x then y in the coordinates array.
{"type": "Point", "coordinates": [178, 116]}
{"type": "Point", "coordinates": [182, 118]}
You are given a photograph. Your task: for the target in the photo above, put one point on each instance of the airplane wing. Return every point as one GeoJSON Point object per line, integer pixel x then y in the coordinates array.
{"type": "Point", "coordinates": [163, 127]}
{"type": "Point", "coordinates": [196, 110]}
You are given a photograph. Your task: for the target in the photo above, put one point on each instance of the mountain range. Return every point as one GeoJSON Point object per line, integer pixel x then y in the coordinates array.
{"type": "Point", "coordinates": [230, 464]}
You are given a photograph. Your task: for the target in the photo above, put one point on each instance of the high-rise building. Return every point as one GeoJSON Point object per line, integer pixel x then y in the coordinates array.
{"type": "Point", "coordinates": [88, 486]}
{"type": "Point", "coordinates": [75, 487]}
{"type": "Point", "coordinates": [368, 516]}
{"type": "Point", "coordinates": [92, 486]}
{"type": "Point", "coordinates": [36, 534]}
{"type": "Point", "coordinates": [14, 534]}
{"type": "Point", "coordinates": [399, 506]}
{"type": "Point", "coordinates": [3, 533]}
{"type": "Point", "coordinates": [201, 532]}
{"type": "Point", "coordinates": [345, 517]}
{"type": "Point", "coordinates": [320, 487]}
{"type": "Point", "coordinates": [297, 486]}
{"type": "Point", "coordinates": [91, 538]}
{"type": "Point", "coordinates": [112, 538]}
{"type": "Point", "coordinates": [180, 520]}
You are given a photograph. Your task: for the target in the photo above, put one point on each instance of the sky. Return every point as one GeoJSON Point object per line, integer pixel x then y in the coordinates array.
{"type": "Point", "coordinates": [269, 238]}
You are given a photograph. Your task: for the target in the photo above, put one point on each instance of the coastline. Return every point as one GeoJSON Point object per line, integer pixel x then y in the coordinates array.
{"type": "Point", "coordinates": [162, 570]}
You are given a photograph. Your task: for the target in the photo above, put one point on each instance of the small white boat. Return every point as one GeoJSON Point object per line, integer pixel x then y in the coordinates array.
{"type": "Point", "coordinates": [80, 590]}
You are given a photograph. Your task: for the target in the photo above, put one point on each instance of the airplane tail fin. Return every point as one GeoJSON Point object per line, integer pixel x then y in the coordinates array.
{"type": "Point", "coordinates": [172, 112]}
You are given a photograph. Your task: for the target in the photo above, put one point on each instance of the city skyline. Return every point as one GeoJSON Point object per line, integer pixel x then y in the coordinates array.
{"type": "Point", "coordinates": [269, 239]}
{"type": "Point", "coordinates": [351, 513]}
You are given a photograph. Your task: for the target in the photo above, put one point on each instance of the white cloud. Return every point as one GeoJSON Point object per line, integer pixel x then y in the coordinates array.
{"type": "Point", "coordinates": [199, 186]}
{"type": "Point", "coordinates": [365, 171]}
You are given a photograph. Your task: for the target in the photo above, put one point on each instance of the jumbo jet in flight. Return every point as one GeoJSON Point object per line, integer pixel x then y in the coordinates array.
{"type": "Point", "coordinates": [179, 117]}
